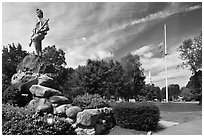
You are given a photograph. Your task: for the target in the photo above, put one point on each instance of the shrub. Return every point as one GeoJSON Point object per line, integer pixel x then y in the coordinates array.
{"type": "Point", "coordinates": [20, 121]}
{"type": "Point", "coordinates": [5, 82]}
{"type": "Point", "coordinates": [11, 95]}
{"type": "Point", "coordinates": [89, 101]}
{"type": "Point", "coordinates": [142, 116]}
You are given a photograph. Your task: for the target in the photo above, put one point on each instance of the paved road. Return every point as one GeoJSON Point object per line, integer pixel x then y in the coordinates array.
{"type": "Point", "coordinates": [188, 128]}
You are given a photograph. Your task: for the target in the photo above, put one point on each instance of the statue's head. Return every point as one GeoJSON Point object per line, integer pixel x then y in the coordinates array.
{"type": "Point", "coordinates": [39, 13]}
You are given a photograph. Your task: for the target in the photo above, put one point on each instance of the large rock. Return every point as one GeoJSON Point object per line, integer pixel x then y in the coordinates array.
{"type": "Point", "coordinates": [24, 88]}
{"type": "Point", "coordinates": [59, 100]}
{"type": "Point", "coordinates": [70, 121]}
{"type": "Point", "coordinates": [23, 84]}
{"type": "Point", "coordinates": [72, 111]}
{"type": "Point", "coordinates": [88, 117]}
{"type": "Point", "coordinates": [17, 77]}
{"type": "Point", "coordinates": [62, 109]}
{"type": "Point", "coordinates": [45, 92]}
{"type": "Point", "coordinates": [30, 63]}
{"type": "Point", "coordinates": [21, 78]}
{"type": "Point", "coordinates": [44, 79]}
{"type": "Point", "coordinates": [47, 81]}
{"type": "Point", "coordinates": [85, 131]}
{"type": "Point", "coordinates": [40, 105]}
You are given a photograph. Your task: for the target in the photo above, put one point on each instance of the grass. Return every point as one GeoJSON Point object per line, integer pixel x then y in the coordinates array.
{"type": "Point", "coordinates": [180, 112]}
{"type": "Point", "coordinates": [179, 107]}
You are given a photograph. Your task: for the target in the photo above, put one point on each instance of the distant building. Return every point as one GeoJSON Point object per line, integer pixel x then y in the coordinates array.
{"type": "Point", "coordinates": [150, 79]}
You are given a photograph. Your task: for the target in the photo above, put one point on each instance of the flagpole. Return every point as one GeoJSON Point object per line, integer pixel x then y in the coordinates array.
{"type": "Point", "coordinates": [165, 57]}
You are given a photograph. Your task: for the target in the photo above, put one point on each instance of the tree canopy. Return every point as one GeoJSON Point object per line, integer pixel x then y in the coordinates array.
{"type": "Point", "coordinates": [11, 57]}
{"type": "Point", "coordinates": [191, 53]}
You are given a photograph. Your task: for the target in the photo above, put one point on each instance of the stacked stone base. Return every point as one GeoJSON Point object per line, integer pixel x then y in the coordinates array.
{"type": "Point", "coordinates": [46, 98]}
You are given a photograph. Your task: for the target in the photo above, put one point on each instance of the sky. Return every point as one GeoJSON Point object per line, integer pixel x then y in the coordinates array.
{"type": "Point", "coordinates": [110, 30]}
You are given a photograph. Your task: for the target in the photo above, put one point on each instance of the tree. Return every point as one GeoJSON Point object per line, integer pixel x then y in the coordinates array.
{"type": "Point", "coordinates": [54, 56]}
{"type": "Point", "coordinates": [133, 76]}
{"type": "Point", "coordinates": [187, 94]}
{"type": "Point", "coordinates": [173, 91]}
{"type": "Point", "coordinates": [195, 84]}
{"type": "Point", "coordinates": [54, 59]}
{"type": "Point", "coordinates": [11, 57]}
{"type": "Point", "coordinates": [191, 53]}
{"type": "Point", "coordinates": [151, 92]}
{"type": "Point", "coordinates": [98, 77]}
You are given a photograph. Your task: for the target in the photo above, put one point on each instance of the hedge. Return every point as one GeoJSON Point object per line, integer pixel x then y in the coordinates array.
{"type": "Point", "coordinates": [142, 116]}
{"type": "Point", "coordinates": [89, 101]}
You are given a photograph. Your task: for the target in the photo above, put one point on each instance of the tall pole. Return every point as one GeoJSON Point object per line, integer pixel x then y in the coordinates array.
{"type": "Point", "coordinates": [165, 57]}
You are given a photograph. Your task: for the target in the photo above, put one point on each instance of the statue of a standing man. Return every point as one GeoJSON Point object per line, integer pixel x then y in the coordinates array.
{"type": "Point", "coordinates": [39, 32]}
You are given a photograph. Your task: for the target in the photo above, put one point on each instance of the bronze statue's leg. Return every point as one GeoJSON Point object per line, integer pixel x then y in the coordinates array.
{"type": "Point", "coordinates": [40, 48]}
{"type": "Point", "coordinates": [37, 45]}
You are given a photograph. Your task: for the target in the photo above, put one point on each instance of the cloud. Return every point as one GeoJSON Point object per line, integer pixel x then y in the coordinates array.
{"type": "Point", "coordinates": [141, 51]}
{"type": "Point", "coordinates": [148, 55]}
{"type": "Point", "coordinates": [192, 8]}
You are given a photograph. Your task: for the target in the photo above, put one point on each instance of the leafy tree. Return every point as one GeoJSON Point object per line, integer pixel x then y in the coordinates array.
{"type": "Point", "coordinates": [11, 57]}
{"type": "Point", "coordinates": [99, 77]}
{"type": "Point", "coordinates": [133, 76]}
{"type": "Point", "coordinates": [54, 56]}
{"type": "Point", "coordinates": [195, 84]}
{"type": "Point", "coordinates": [54, 61]}
{"type": "Point", "coordinates": [191, 53]}
{"type": "Point", "coordinates": [151, 92]}
{"type": "Point", "coordinates": [173, 91]}
{"type": "Point", "coordinates": [187, 94]}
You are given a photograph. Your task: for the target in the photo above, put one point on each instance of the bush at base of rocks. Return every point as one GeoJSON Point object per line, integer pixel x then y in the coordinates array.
{"type": "Point", "coordinates": [89, 101]}
{"type": "Point", "coordinates": [19, 121]}
{"type": "Point", "coordinates": [142, 116]}
{"type": "Point", "coordinates": [11, 95]}
{"type": "Point", "coordinates": [10, 112]}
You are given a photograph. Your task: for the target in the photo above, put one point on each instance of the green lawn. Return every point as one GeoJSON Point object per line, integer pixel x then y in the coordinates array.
{"type": "Point", "coordinates": [179, 107]}
{"type": "Point", "coordinates": [180, 112]}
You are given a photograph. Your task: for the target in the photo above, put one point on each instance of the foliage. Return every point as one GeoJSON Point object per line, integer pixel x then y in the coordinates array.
{"type": "Point", "coordinates": [133, 76]}
{"type": "Point", "coordinates": [20, 121]}
{"type": "Point", "coordinates": [142, 116]}
{"type": "Point", "coordinates": [173, 91]}
{"type": "Point", "coordinates": [11, 57]}
{"type": "Point", "coordinates": [11, 95]}
{"type": "Point", "coordinates": [195, 84]}
{"type": "Point", "coordinates": [151, 92]}
{"type": "Point", "coordinates": [89, 101]}
{"type": "Point", "coordinates": [98, 77]}
{"type": "Point", "coordinates": [10, 112]}
{"type": "Point", "coordinates": [5, 82]}
{"type": "Point", "coordinates": [191, 53]}
{"type": "Point", "coordinates": [70, 87]}
{"type": "Point", "coordinates": [54, 56]}
{"type": "Point", "coordinates": [187, 94]}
